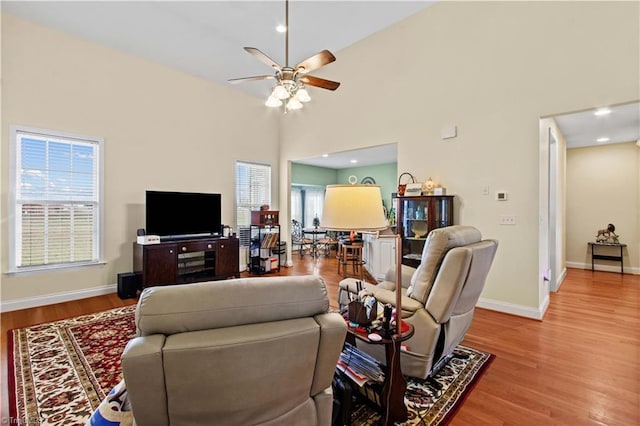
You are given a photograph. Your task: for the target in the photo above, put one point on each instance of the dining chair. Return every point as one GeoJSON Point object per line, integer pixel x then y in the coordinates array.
{"type": "Point", "coordinates": [298, 239]}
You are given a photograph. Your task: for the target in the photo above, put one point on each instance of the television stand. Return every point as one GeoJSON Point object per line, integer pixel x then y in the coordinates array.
{"type": "Point", "coordinates": [170, 238]}
{"type": "Point", "coordinates": [188, 260]}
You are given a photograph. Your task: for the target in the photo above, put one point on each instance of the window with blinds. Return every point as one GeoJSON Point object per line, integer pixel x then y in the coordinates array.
{"type": "Point", "coordinates": [307, 202]}
{"type": "Point", "coordinates": [253, 189]}
{"type": "Point", "coordinates": [56, 199]}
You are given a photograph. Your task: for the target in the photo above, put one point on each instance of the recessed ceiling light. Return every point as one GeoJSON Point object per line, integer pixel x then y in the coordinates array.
{"type": "Point", "coordinates": [325, 155]}
{"type": "Point", "coordinates": [602, 111]}
{"type": "Point", "coordinates": [281, 28]}
{"type": "Point", "coordinates": [354, 161]}
{"type": "Point", "coordinates": [602, 140]}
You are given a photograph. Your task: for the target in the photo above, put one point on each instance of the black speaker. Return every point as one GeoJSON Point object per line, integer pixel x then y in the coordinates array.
{"type": "Point", "coordinates": [128, 285]}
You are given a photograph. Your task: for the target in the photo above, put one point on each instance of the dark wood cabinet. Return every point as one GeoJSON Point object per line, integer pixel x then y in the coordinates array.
{"type": "Point", "coordinates": [227, 257]}
{"type": "Point", "coordinates": [159, 264]}
{"type": "Point", "coordinates": [186, 261]}
{"type": "Point", "coordinates": [417, 216]}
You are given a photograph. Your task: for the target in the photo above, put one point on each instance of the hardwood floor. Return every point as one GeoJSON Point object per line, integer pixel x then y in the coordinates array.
{"type": "Point", "coordinates": [579, 366]}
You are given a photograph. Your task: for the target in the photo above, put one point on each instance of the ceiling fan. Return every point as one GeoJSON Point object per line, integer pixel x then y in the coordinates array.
{"type": "Point", "coordinates": [291, 81]}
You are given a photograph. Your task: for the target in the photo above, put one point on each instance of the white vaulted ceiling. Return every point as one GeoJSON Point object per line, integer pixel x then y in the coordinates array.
{"type": "Point", "coordinates": [206, 39]}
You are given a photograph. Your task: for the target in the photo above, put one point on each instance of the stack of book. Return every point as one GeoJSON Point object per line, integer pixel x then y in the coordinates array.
{"type": "Point", "coordinates": [360, 367]}
{"type": "Point", "coordinates": [270, 240]}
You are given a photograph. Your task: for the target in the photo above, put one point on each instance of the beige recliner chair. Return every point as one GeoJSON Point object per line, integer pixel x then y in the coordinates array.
{"type": "Point", "coordinates": [252, 351]}
{"type": "Point", "coordinates": [439, 296]}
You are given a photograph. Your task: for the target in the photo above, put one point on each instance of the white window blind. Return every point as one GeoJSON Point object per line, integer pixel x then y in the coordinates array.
{"type": "Point", "coordinates": [55, 200]}
{"type": "Point", "coordinates": [253, 189]}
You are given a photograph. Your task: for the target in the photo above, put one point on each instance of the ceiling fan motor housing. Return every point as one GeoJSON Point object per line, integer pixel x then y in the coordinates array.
{"type": "Point", "coordinates": [288, 74]}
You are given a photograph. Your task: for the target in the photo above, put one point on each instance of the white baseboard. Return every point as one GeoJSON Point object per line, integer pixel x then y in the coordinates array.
{"type": "Point", "coordinates": [604, 268]}
{"type": "Point", "coordinates": [513, 309]}
{"type": "Point", "coordinates": [32, 302]}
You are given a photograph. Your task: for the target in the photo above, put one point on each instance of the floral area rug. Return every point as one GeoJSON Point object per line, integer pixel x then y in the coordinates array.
{"type": "Point", "coordinates": [59, 372]}
{"type": "Point", "coordinates": [435, 400]}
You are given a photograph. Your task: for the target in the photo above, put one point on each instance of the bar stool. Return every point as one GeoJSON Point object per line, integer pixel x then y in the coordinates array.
{"type": "Point", "coordinates": [350, 253]}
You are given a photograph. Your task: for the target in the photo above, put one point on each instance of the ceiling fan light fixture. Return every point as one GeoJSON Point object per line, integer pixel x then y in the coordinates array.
{"type": "Point", "coordinates": [291, 80]}
{"type": "Point", "coordinates": [302, 95]}
{"type": "Point", "coordinates": [294, 104]}
{"type": "Point", "coordinates": [280, 92]}
{"type": "Point", "coordinates": [273, 102]}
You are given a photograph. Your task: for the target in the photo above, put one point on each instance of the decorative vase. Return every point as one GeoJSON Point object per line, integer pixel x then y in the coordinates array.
{"type": "Point", "coordinates": [427, 187]}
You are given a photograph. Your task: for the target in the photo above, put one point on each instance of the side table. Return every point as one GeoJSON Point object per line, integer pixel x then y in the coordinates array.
{"type": "Point", "coordinates": [395, 385]}
{"type": "Point", "coordinates": [600, 256]}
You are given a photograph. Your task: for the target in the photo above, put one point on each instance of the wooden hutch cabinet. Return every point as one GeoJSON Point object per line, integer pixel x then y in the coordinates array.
{"type": "Point", "coordinates": [416, 217]}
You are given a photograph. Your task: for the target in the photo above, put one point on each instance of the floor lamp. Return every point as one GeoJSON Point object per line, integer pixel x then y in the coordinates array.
{"type": "Point", "coordinates": [358, 207]}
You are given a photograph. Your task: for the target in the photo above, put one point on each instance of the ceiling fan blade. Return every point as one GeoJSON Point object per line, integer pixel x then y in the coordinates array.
{"type": "Point", "coordinates": [314, 62]}
{"type": "Point", "coordinates": [264, 58]}
{"type": "Point", "coordinates": [320, 82]}
{"type": "Point", "coordinates": [243, 79]}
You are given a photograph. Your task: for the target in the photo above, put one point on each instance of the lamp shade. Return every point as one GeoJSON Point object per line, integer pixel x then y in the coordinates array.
{"type": "Point", "coordinates": [353, 208]}
{"type": "Point", "coordinates": [272, 101]}
{"type": "Point", "coordinates": [280, 92]}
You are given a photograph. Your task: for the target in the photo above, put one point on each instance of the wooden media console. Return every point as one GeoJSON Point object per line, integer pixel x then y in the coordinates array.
{"type": "Point", "coordinates": [187, 261]}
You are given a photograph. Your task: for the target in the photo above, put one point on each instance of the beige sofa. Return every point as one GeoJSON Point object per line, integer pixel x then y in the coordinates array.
{"type": "Point", "coordinates": [438, 298]}
{"type": "Point", "coordinates": [252, 351]}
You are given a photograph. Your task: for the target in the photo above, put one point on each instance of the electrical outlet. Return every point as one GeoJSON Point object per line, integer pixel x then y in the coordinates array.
{"type": "Point", "coordinates": [507, 220]}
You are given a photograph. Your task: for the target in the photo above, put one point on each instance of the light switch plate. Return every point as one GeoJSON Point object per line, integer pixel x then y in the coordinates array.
{"type": "Point", "coordinates": [449, 132]}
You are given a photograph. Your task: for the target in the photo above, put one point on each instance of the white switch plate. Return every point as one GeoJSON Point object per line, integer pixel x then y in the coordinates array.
{"type": "Point", "coordinates": [506, 219]}
{"type": "Point", "coordinates": [449, 132]}
{"type": "Point", "coordinates": [485, 190]}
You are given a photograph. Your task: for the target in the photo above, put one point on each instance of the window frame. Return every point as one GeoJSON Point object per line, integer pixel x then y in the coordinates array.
{"type": "Point", "coordinates": [244, 230]}
{"type": "Point", "coordinates": [306, 217]}
{"type": "Point", "coordinates": [269, 189]}
{"type": "Point", "coordinates": [13, 222]}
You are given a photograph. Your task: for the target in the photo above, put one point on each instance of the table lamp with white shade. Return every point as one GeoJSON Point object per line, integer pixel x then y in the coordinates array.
{"type": "Point", "coordinates": [358, 207]}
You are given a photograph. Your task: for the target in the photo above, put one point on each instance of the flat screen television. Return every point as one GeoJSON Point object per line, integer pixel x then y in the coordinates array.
{"type": "Point", "coordinates": [182, 214]}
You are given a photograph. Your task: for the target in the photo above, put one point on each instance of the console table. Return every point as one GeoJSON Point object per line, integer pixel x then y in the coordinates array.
{"type": "Point", "coordinates": [395, 385]}
{"type": "Point", "coordinates": [601, 256]}
{"type": "Point", "coordinates": [187, 261]}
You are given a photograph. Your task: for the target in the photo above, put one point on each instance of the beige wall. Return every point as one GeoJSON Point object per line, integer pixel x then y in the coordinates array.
{"type": "Point", "coordinates": [602, 187]}
{"type": "Point", "coordinates": [490, 68]}
{"type": "Point", "coordinates": [493, 69]}
{"type": "Point", "coordinates": [162, 129]}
